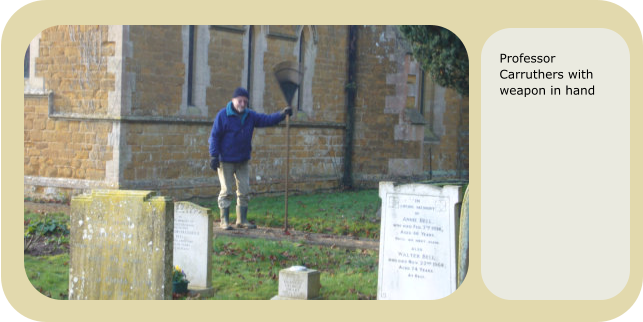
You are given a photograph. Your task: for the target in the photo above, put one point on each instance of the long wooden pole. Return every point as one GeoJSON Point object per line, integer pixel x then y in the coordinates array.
{"type": "Point", "coordinates": [287, 170]}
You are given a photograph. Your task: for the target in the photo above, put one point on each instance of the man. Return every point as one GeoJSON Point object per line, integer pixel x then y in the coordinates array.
{"type": "Point", "coordinates": [230, 148]}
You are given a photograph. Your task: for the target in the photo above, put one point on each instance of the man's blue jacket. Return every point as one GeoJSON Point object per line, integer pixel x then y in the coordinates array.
{"type": "Point", "coordinates": [231, 134]}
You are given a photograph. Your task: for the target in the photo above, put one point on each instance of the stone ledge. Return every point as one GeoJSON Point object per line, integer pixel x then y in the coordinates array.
{"type": "Point", "coordinates": [277, 297]}
{"type": "Point", "coordinates": [203, 292]}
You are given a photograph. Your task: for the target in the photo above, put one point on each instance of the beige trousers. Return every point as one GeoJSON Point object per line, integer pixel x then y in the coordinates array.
{"type": "Point", "coordinates": [234, 173]}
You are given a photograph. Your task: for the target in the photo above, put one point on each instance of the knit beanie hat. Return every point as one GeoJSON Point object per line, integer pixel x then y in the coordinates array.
{"type": "Point", "coordinates": [240, 91]}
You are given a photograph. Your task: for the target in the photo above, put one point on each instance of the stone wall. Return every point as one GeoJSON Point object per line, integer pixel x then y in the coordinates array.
{"type": "Point", "coordinates": [66, 149]}
{"type": "Point", "coordinates": [386, 143]}
{"type": "Point", "coordinates": [73, 61]}
{"type": "Point", "coordinates": [156, 70]}
{"type": "Point", "coordinates": [121, 113]}
{"type": "Point", "coordinates": [317, 127]}
{"type": "Point", "coordinates": [61, 148]}
{"type": "Point", "coordinates": [446, 144]}
{"type": "Point", "coordinates": [227, 58]}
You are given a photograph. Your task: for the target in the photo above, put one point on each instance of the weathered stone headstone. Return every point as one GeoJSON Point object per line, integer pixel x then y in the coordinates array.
{"type": "Point", "coordinates": [298, 283]}
{"type": "Point", "coordinates": [121, 246]}
{"type": "Point", "coordinates": [417, 242]}
{"type": "Point", "coordinates": [193, 245]}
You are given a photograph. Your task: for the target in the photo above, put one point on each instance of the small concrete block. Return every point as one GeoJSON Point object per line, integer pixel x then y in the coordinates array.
{"type": "Point", "coordinates": [298, 283]}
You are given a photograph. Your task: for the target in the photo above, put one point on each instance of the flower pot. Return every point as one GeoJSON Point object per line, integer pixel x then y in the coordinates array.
{"type": "Point", "coordinates": [180, 287]}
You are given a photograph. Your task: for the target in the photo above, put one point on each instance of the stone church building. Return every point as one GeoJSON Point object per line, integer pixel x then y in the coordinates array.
{"type": "Point", "coordinates": [131, 107]}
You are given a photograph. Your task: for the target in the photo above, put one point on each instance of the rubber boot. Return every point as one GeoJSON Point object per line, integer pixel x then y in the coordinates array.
{"type": "Point", "coordinates": [225, 218]}
{"type": "Point", "coordinates": [242, 218]}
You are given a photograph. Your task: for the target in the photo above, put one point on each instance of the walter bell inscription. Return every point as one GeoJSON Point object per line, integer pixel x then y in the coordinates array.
{"type": "Point", "coordinates": [417, 243]}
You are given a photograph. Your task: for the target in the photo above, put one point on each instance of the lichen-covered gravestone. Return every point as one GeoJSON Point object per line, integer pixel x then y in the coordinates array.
{"type": "Point", "coordinates": [417, 242]}
{"type": "Point", "coordinates": [121, 246]}
{"type": "Point", "coordinates": [193, 245]}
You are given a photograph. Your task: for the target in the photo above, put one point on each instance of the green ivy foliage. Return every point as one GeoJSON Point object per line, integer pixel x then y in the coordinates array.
{"type": "Point", "coordinates": [440, 53]}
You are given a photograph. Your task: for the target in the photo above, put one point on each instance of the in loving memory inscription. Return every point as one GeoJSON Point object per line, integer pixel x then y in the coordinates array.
{"type": "Point", "coordinates": [193, 243]}
{"type": "Point", "coordinates": [417, 248]}
{"type": "Point", "coordinates": [185, 232]}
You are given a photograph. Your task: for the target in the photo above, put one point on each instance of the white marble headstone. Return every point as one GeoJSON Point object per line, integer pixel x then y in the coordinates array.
{"type": "Point", "coordinates": [193, 243]}
{"type": "Point", "coordinates": [417, 242]}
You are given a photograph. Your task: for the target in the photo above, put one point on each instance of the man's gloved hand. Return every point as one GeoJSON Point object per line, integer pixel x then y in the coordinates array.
{"type": "Point", "coordinates": [287, 111]}
{"type": "Point", "coordinates": [214, 163]}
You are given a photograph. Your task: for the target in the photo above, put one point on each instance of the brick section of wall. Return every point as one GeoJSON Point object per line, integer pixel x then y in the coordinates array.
{"type": "Point", "coordinates": [63, 149]}
{"type": "Point", "coordinates": [285, 30]}
{"type": "Point", "coordinates": [162, 152]}
{"type": "Point", "coordinates": [449, 157]}
{"type": "Point", "coordinates": [73, 62]}
{"type": "Point", "coordinates": [64, 156]}
{"type": "Point", "coordinates": [329, 80]}
{"type": "Point", "coordinates": [174, 158]}
{"type": "Point", "coordinates": [278, 50]}
{"type": "Point", "coordinates": [379, 55]}
{"type": "Point", "coordinates": [157, 64]}
{"type": "Point", "coordinates": [171, 156]}
{"type": "Point", "coordinates": [315, 154]}
{"type": "Point", "coordinates": [226, 60]}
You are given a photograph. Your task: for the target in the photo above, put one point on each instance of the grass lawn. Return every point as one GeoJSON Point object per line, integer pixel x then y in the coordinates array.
{"type": "Point", "coordinates": [49, 274]}
{"type": "Point", "coordinates": [351, 213]}
{"type": "Point", "coordinates": [249, 268]}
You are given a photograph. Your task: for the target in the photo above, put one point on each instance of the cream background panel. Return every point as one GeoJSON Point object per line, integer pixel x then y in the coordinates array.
{"type": "Point", "coordinates": [555, 169]}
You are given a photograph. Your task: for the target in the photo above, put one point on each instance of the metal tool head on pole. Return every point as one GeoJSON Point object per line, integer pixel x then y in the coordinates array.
{"type": "Point", "coordinates": [289, 78]}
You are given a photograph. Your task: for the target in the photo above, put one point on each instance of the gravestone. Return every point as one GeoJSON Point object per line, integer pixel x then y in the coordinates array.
{"type": "Point", "coordinates": [121, 246]}
{"type": "Point", "coordinates": [298, 283]}
{"type": "Point", "coordinates": [193, 245]}
{"type": "Point", "coordinates": [463, 240]}
{"type": "Point", "coordinates": [417, 242]}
